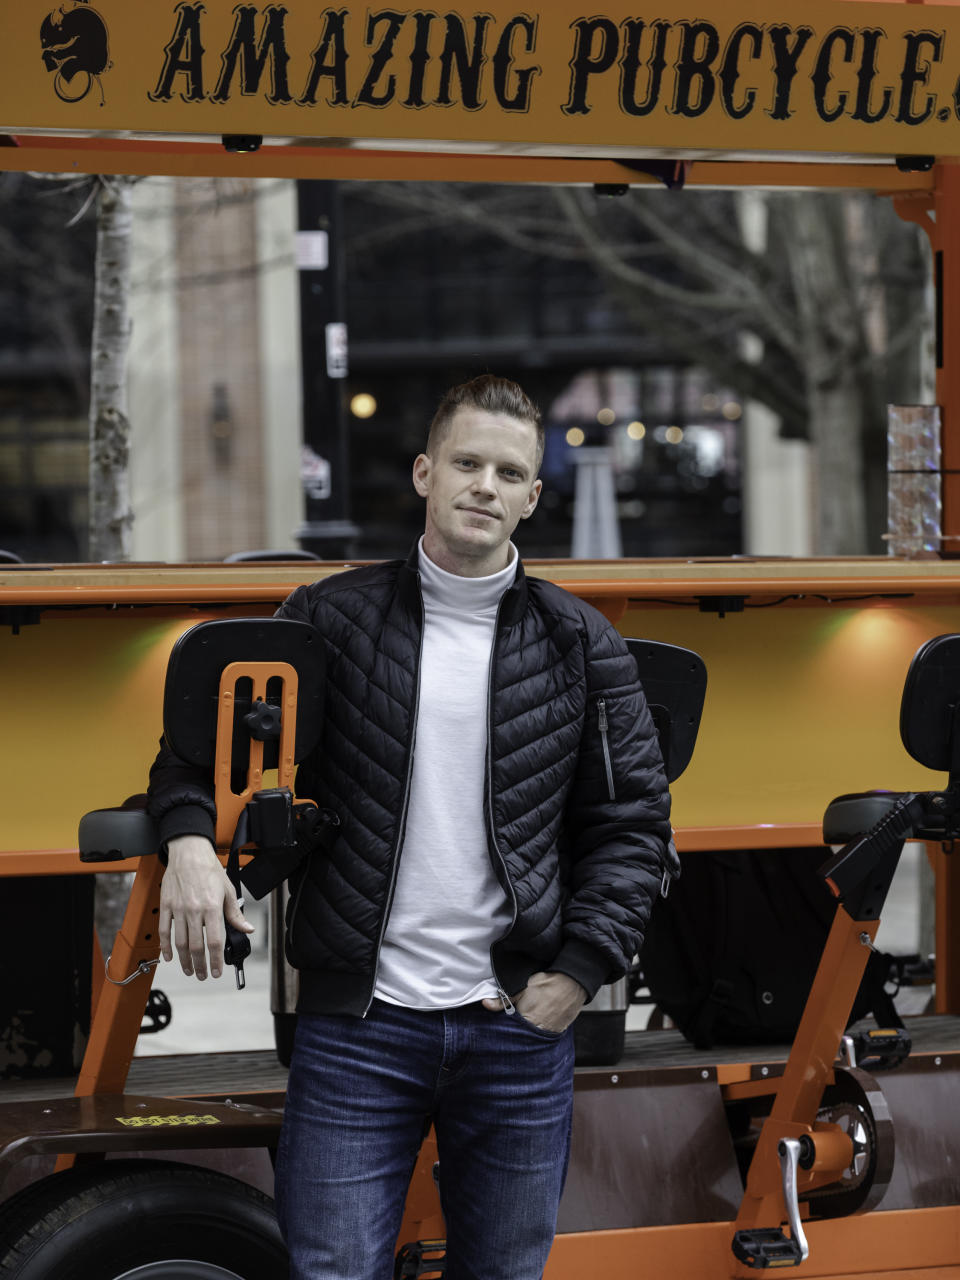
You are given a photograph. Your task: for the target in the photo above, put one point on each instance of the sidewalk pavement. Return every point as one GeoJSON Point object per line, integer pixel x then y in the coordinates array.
{"type": "Point", "coordinates": [213, 1016]}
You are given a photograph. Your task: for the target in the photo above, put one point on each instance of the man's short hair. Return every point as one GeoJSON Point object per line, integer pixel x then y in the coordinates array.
{"type": "Point", "coordinates": [493, 395]}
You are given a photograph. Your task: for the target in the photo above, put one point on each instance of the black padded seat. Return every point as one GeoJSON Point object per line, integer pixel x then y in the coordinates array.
{"type": "Point", "coordinates": [851, 815]}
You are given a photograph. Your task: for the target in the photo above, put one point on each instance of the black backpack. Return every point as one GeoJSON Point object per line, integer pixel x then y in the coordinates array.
{"type": "Point", "coordinates": [731, 953]}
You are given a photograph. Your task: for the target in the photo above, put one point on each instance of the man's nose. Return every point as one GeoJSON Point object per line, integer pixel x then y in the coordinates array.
{"type": "Point", "coordinates": [484, 480]}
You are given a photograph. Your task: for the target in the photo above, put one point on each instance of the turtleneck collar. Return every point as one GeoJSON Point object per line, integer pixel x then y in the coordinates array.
{"type": "Point", "coordinates": [453, 591]}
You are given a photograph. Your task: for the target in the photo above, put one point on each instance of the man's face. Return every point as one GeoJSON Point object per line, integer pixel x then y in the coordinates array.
{"type": "Point", "coordinates": [480, 483]}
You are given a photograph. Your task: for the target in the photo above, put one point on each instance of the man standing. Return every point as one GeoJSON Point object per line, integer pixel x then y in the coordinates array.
{"type": "Point", "coordinates": [503, 825]}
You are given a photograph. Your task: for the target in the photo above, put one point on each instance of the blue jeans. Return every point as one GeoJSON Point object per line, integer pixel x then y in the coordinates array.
{"type": "Point", "coordinates": [361, 1090]}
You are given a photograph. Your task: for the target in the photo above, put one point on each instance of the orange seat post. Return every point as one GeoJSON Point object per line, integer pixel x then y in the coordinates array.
{"type": "Point", "coordinates": [120, 1004]}
{"type": "Point", "coordinates": [808, 1071]}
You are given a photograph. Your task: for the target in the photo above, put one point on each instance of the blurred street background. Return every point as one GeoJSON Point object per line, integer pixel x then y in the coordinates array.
{"type": "Point", "coordinates": [725, 357]}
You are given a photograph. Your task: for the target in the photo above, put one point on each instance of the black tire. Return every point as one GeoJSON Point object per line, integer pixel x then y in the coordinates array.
{"type": "Point", "coordinates": [284, 1029]}
{"type": "Point", "coordinates": [598, 1038]}
{"type": "Point", "coordinates": [140, 1220]}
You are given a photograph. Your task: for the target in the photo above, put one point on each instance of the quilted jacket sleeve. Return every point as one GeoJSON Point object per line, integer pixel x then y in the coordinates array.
{"type": "Point", "coordinates": [180, 797]}
{"type": "Point", "coordinates": [617, 825]}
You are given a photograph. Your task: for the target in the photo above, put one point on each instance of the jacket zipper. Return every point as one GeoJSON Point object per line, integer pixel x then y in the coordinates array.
{"type": "Point", "coordinates": [504, 879]}
{"type": "Point", "coordinates": [395, 855]}
{"type": "Point", "coordinates": [605, 743]}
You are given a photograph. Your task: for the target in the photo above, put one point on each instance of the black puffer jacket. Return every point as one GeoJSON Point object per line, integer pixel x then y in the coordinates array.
{"type": "Point", "coordinates": [577, 803]}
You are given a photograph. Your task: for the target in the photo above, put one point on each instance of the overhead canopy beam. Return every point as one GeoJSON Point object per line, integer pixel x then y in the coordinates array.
{"type": "Point", "coordinates": [273, 160]}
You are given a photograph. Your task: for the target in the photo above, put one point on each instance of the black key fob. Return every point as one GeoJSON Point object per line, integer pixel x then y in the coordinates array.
{"type": "Point", "coordinates": [236, 948]}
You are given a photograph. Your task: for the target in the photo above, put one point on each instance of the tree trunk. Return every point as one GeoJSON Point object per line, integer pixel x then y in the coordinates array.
{"type": "Point", "coordinates": [833, 355]}
{"type": "Point", "coordinates": [111, 518]}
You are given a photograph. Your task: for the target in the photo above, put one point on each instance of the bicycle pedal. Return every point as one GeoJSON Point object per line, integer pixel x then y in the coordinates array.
{"type": "Point", "coordinates": [421, 1260]}
{"type": "Point", "coordinates": [882, 1049]}
{"type": "Point", "coordinates": [767, 1247]}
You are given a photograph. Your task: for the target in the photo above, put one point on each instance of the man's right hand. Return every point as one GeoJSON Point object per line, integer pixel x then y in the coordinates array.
{"type": "Point", "coordinates": [195, 895]}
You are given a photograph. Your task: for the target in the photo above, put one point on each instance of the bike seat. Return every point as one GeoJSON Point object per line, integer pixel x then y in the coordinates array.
{"type": "Point", "coordinates": [849, 816]}
{"type": "Point", "coordinates": [109, 835]}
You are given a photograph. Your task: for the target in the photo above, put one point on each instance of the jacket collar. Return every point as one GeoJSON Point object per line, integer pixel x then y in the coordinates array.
{"type": "Point", "coordinates": [512, 607]}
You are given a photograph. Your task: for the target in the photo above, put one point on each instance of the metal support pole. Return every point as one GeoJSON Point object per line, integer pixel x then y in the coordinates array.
{"type": "Point", "coordinates": [327, 530]}
{"type": "Point", "coordinates": [947, 274]}
{"type": "Point", "coordinates": [596, 529]}
{"type": "Point", "coordinates": [939, 216]}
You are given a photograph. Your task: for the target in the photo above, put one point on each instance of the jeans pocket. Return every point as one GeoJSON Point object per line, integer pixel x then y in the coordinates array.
{"type": "Point", "coordinates": [532, 1026]}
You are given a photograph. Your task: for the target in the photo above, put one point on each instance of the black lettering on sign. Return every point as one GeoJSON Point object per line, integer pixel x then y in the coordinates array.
{"type": "Point", "coordinates": [329, 61]}
{"type": "Point", "coordinates": [391, 21]}
{"type": "Point", "coordinates": [823, 73]}
{"type": "Point", "coordinates": [786, 56]}
{"type": "Point", "coordinates": [468, 62]}
{"type": "Point", "coordinates": [730, 72]}
{"type": "Point", "coordinates": [503, 58]}
{"type": "Point", "coordinates": [914, 74]}
{"type": "Point", "coordinates": [419, 58]}
{"type": "Point", "coordinates": [183, 56]}
{"type": "Point", "coordinates": [633, 29]}
{"type": "Point", "coordinates": [866, 74]}
{"type": "Point", "coordinates": [694, 86]}
{"type": "Point", "coordinates": [586, 63]}
{"type": "Point", "coordinates": [244, 51]}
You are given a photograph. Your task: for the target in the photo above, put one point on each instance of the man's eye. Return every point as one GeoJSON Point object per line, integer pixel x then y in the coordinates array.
{"type": "Point", "coordinates": [509, 471]}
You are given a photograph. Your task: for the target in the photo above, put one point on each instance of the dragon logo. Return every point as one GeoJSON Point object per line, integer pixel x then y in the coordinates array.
{"type": "Point", "coordinates": [75, 47]}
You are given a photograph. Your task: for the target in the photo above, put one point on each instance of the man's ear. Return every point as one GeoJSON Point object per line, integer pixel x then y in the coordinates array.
{"type": "Point", "coordinates": [421, 473]}
{"type": "Point", "coordinates": [532, 500]}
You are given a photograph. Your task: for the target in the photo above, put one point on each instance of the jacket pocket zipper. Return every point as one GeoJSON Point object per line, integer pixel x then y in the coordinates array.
{"type": "Point", "coordinates": [605, 743]}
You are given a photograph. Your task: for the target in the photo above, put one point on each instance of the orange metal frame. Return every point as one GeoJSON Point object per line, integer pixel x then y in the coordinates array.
{"type": "Point", "coordinates": [119, 1004]}
{"type": "Point", "coordinates": [809, 1070]}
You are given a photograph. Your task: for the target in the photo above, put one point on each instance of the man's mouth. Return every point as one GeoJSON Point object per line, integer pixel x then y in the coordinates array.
{"type": "Point", "coordinates": [480, 511]}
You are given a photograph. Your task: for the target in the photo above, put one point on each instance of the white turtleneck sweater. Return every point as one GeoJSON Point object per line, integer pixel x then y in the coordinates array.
{"type": "Point", "coordinates": [448, 907]}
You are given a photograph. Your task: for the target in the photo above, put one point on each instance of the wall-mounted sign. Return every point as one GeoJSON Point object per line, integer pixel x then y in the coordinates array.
{"type": "Point", "coordinates": [764, 75]}
{"type": "Point", "coordinates": [337, 350]}
{"type": "Point", "coordinates": [313, 250]}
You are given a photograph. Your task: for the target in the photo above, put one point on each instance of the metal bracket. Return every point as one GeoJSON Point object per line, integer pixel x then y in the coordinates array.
{"type": "Point", "coordinates": [848, 1050]}
{"type": "Point", "coordinates": [142, 968]}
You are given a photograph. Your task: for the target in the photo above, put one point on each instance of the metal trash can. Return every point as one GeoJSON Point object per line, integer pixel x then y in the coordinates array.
{"type": "Point", "coordinates": [284, 979]}
{"type": "Point", "coordinates": [600, 1027]}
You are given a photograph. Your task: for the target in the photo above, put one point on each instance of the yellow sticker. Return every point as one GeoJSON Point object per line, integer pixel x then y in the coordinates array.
{"type": "Point", "coordinates": [148, 1122]}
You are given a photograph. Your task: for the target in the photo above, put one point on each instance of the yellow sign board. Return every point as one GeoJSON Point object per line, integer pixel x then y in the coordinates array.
{"type": "Point", "coordinates": [801, 76]}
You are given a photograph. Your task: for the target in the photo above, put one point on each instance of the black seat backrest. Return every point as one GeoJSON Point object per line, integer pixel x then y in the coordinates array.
{"type": "Point", "coordinates": [675, 683]}
{"type": "Point", "coordinates": [196, 663]}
